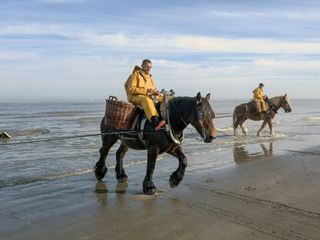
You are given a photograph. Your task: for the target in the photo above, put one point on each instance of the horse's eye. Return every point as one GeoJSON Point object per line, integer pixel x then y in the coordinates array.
{"type": "Point", "coordinates": [200, 114]}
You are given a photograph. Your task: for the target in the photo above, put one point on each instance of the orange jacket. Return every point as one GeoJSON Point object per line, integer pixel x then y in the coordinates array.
{"type": "Point", "coordinates": [138, 83]}
{"type": "Point", "coordinates": [258, 94]}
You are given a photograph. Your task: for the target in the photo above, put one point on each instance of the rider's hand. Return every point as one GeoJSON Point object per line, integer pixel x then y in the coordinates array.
{"type": "Point", "coordinates": [149, 92]}
{"type": "Point", "coordinates": [152, 92]}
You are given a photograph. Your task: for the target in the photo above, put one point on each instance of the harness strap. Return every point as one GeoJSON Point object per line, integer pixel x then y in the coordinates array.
{"type": "Point", "coordinates": [169, 130]}
{"type": "Point", "coordinates": [140, 133]}
{"type": "Point", "coordinates": [272, 107]}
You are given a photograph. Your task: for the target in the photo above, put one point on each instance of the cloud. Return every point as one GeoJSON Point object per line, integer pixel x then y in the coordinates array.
{"type": "Point", "coordinates": [18, 56]}
{"type": "Point", "coordinates": [307, 14]}
{"type": "Point", "coordinates": [36, 30]}
{"type": "Point", "coordinates": [60, 1]}
{"type": "Point", "coordinates": [202, 44]}
{"type": "Point", "coordinates": [98, 77]}
{"type": "Point", "coordinates": [214, 44]}
{"type": "Point", "coordinates": [164, 43]}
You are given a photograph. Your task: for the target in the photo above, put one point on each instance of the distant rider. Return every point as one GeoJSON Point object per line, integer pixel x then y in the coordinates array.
{"type": "Point", "coordinates": [142, 91]}
{"type": "Point", "coordinates": [259, 95]}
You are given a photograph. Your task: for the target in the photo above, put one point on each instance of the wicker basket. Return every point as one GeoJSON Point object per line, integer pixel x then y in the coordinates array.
{"type": "Point", "coordinates": [119, 114]}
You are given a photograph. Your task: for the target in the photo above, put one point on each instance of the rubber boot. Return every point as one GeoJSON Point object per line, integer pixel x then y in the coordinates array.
{"type": "Point", "coordinates": [159, 124]}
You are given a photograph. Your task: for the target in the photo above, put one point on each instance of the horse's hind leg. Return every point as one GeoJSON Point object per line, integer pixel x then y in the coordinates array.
{"type": "Point", "coordinates": [236, 121]}
{"type": "Point", "coordinates": [177, 176]}
{"type": "Point", "coordinates": [148, 186]}
{"type": "Point", "coordinates": [269, 121]}
{"type": "Point", "coordinates": [120, 173]}
{"type": "Point", "coordinates": [244, 129]}
{"type": "Point", "coordinates": [100, 168]}
{"type": "Point", "coordinates": [262, 127]}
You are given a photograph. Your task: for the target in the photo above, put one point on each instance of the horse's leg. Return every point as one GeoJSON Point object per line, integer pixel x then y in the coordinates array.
{"type": "Point", "coordinates": [177, 176]}
{"type": "Point", "coordinates": [244, 129]}
{"type": "Point", "coordinates": [148, 186]}
{"type": "Point", "coordinates": [269, 121]}
{"type": "Point", "coordinates": [100, 168]}
{"type": "Point", "coordinates": [236, 121]}
{"type": "Point", "coordinates": [120, 173]}
{"type": "Point", "coordinates": [262, 127]}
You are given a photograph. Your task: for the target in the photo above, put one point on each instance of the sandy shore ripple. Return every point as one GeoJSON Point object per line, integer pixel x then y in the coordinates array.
{"type": "Point", "coordinates": [276, 197]}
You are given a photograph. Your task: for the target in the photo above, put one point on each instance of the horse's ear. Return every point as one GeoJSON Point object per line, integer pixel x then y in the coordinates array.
{"type": "Point", "coordinates": [198, 98]}
{"type": "Point", "coordinates": [208, 97]}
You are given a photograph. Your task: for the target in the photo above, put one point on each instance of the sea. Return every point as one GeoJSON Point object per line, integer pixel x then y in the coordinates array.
{"type": "Point", "coordinates": [54, 139]}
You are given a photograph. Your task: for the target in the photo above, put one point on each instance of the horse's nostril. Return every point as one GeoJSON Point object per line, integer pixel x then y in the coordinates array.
{"type": "Point", "coordinates": [212, 137]}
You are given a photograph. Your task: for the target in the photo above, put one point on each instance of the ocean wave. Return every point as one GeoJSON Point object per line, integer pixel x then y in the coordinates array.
{"type": "Point", "coordinates": [32, 131]}
{"type": "Point", "coordinates": [312, 118]}
{"type": "Point", "coordinates": [31, 179]}
{"type": "Point", "coordinates": [47, 114]}
{"type": "Point", "coordinates": [226, 129]}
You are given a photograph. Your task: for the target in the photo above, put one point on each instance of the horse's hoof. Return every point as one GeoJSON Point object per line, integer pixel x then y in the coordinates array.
{"type": "Point", "coordinates": [122, 177]}
{"type": "Point", "coordinates": [149, 188]}
{"type": "Point", "coordinates": [100, 172]}
{"type": "Point", "coordinates": [175, 179]}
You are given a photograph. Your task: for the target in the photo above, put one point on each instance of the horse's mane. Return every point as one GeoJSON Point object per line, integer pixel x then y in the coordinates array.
{"type": "Point", "coordinates": [181, 102]}
{"type": "Point", "coordinates": [182, 106]}
{"type": "Point", "coordinates": [179, 105]}
{"type": "Point", "coordinates": [276, 100]}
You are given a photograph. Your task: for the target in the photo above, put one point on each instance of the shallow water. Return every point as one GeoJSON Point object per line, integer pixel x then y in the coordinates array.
{"type": "Point", "coordinates": [46, 160]}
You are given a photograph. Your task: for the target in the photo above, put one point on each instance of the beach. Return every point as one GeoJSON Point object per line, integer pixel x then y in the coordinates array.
{"type": "Point", "coordinates": [271, 198]}
{"type": "Point", "coordinates": [243, 187]}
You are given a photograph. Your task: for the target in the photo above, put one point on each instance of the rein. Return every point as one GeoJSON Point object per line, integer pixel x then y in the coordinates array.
{"type": "Point", "coordinates": [180, 138]}
{"type": "Point", "coordinates": [273, 106]}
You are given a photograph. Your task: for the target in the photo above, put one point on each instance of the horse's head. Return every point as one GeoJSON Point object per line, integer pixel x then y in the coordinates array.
{"type": "Point", "coordinates": [285, 104]}
{"type": "Point", "coordinates": [203, 119]}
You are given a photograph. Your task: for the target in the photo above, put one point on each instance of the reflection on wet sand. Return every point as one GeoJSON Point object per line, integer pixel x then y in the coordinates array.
{"type": "Point", "coordinates": [101, 192]}
{"type": "Point", "coordinates": [242, 155]}
{"type": "Point", "coordinates": [121, 187]}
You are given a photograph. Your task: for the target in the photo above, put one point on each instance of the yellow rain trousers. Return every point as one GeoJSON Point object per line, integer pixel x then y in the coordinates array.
{"type": "Point", "coordinates": [258, 94]}
{"type": "Point", "coordinates": [136, 88]}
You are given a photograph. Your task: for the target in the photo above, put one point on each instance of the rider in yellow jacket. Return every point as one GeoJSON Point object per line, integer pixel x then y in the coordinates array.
{"type": "Point", "coordinates": [259, 95]}
{"type": "Point", "coordinates": [142, 91]}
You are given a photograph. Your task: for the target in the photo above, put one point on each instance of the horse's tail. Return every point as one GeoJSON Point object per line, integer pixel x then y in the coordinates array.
{"type": "Point", "coordinates": [234, 117]}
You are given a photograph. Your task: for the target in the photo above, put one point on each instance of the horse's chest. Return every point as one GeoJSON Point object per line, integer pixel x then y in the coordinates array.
{"type": "Point", "coordinates": [133, 141]}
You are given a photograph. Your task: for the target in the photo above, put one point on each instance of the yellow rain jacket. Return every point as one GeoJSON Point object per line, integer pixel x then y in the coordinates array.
{"type": "Point", "coordinates": [258, 94]}
{"type": "Point", "coordinates": [136, 88]}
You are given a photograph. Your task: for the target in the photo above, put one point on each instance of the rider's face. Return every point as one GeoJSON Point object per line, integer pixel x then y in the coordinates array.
{"type": "Point", "coordinates": [147, 67]}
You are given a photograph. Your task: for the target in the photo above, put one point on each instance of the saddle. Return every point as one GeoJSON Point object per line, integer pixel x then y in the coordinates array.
{"type": "Point", "coordinates": [253, 106]}
{"type": "Point", "coordinates": [162, 109]}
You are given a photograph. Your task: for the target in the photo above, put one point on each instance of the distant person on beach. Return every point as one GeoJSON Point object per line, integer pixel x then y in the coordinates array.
{"type": "Point", "coordinates": [258, 94]}
{"type": "Point", "coordinates": [142, 91]}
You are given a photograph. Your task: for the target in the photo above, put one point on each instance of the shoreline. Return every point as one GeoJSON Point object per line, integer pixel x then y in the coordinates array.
{"type": "Point", "coordinates": [270, 197]}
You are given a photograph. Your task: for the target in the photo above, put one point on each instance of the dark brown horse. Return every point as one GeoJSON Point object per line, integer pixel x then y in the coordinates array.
{"type": "Point", "coordinates": [182, 112]}
{"type": "Point", "coordinates": [241, 114]}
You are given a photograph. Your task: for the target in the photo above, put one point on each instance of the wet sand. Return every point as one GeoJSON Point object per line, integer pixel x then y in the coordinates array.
{"type": "Point", "coordinates": [260, 197]}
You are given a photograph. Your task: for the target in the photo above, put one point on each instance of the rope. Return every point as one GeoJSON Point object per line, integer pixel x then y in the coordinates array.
{"type": "Point", "coordinates": [75, 136]}
{"type": "Point", "coordinates": [224, 116]}
{"type": "Point", "coordinates": [85, 135]}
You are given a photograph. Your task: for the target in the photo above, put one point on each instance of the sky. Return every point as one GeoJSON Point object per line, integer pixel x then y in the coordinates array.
{"type": "Point", "coordinates": [86, 49]}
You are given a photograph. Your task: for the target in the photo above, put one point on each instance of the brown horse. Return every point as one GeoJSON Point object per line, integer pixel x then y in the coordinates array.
{"type": "Point", "coordinates": [241, 114]}
{"type": "Point", "coordinates": [182, 112]}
